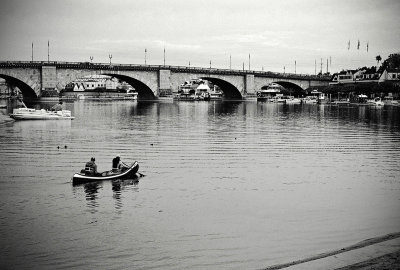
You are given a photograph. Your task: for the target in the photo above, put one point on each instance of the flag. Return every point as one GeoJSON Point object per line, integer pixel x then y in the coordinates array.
{"type": "Point", "coordinates": [348, 45]}
{"type": "Point", "coordinates": [358, 45]}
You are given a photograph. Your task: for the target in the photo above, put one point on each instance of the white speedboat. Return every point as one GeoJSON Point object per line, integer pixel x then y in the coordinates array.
{"type": "Point", "coordinates": [310, 100]}
{"type": "Point", "coordinates": [33, 114]}
{"type": "Point", "coordinates": [131, 94]}
{"type": "Point", "coordinates": [270, 93]}
{"type": "Point", "coordinates": [376, 101]}
{"type": "Point", "coordinates": [292, 100]}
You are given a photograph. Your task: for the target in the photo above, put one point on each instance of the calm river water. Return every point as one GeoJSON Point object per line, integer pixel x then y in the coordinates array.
{"type": "Point", "coordinates": [228, 185]}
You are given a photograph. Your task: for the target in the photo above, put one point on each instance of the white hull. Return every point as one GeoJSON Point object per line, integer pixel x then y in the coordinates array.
{"type": "Point", "coordinates": [32, 114]}
{"type": "Point", "coordinates": [293, 101]}
{"type": "Point", "coordinates": [376, 102]}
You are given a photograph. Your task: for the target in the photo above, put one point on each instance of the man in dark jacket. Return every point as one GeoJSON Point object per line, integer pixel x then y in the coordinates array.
{"type": "Point", "coordinates": [117, 164]}
{"type": "Point", "coordinates": [91, 167]}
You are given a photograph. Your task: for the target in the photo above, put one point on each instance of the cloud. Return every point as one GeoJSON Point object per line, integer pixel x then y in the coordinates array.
{"type": "Point", "coordinates": [268, 38]}
{"type": "Point", "coordinates": [144, 43]}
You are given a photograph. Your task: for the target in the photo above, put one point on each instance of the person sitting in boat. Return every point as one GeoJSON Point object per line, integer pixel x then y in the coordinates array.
{"type": "Point", "coordinates": [117, 164]}
{"type": "Point", "coordinates": [91, 167]}
{"type": "Point", "coordinates": [57, 107]}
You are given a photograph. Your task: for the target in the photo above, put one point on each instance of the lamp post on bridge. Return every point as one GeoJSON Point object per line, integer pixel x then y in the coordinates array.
{"type": "Point", "coordinates": [32, 51]}
{"type": "Point", "coordinates": [145, 56]}
{"type": "Point", "coordinates": [315, 72]}
{"type": "Point", "coordinates": [110, 56]}
{"type": "Point", "coordinates": [91, 59]}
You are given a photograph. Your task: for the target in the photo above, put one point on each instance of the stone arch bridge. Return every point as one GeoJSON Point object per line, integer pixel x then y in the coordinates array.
{"type": "Point", "coordinates": [151, 81]}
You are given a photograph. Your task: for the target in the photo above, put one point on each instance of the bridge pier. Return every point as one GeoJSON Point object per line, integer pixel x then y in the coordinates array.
{"type": "Point", "coordinates": [49, 77]}
{"type": "Point", "coordinates": [164, 82]}
{"type": "Point", "coordinates": [249, 85]}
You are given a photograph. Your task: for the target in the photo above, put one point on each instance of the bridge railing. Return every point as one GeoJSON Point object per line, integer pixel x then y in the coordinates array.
{"type": "Point", "coordinates": [108, 66]}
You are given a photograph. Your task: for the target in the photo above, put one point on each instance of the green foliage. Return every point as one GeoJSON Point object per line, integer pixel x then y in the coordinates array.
{"type": "Point", "coordinates": [378, 59]}
{"type": "Point", "coordinates": [393, 61]}
{"type": "Point", "coordinates": [363, 88]}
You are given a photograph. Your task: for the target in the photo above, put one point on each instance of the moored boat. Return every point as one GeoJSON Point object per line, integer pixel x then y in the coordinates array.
{"type": "Point", "coordinates": [186, 92]}
{"type": "Point", "coordinates": [279, 98]}
{"type": "Point", "coordinates": [310, 100]}
{"type": "Point", "coordinates": [341, 101]}
{"type": "Point", "coordinates": [33, 114]}
{"type": "Point", "coordinates": [131, 94]}
{"type": "Point", "coordinates": [376, 101]}
{"type": "Point", "coordinates": [318, 96]}
{"type": "Point", "coordinates": [269, 93]}
{"type": "Point", "coordinates": [292, 100]}
{"type": "Point", "coordinates": [215, 95]}
{"type": "Point", "coordinates": [125, 173]}
{"type": "Point", "coordinates": [389, 100]}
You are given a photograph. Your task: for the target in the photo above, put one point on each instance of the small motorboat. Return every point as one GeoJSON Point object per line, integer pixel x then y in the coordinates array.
{"type": "Point", "coordinates": [376, 101]}
{"type": "Point", "coordinates": [33, 114]}
{"type": "Point", "coordinates": [26, 113]}
{"type": "Point", "coordinates": [125, 173]}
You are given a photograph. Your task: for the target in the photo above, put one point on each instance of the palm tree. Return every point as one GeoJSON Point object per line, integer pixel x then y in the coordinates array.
{"type": "Point", "coordinates": [378, 59]}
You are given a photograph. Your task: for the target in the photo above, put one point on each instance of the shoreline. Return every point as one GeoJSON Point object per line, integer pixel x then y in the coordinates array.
{"type": "Point", "coordinates": [364, 243]}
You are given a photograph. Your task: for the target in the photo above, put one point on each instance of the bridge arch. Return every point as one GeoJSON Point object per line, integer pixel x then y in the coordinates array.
{"type": "Point", "coordinates": [230, 91]}
{"type": "Point", "coordinates": [144, 91]}
{"type": "Point", "coordinates": [26, 90]}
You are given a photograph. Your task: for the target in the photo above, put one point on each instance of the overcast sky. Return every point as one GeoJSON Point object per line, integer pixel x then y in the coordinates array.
{"type": "Point", "coordinates": [274, 33]}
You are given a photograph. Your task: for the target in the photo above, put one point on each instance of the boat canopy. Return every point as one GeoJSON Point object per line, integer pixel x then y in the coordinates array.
{"type": "Point", "coordinates": [203, 87]}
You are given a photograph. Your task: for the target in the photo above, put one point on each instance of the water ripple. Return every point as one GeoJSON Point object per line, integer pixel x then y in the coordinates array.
{"type": "Point", "coordinates": [227, 185]}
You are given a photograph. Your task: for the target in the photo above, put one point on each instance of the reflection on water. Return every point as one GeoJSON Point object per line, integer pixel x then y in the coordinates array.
{"type": "Point", "coordinates": [118, 186]}
{"type": "Point", "coordinates": [236, 185]}
{"type": "Point", "coordinates": [93, 189]}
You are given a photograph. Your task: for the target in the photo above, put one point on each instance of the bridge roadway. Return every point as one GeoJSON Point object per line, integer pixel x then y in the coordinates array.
{"type": "Point", "coordinates": [151, 81]}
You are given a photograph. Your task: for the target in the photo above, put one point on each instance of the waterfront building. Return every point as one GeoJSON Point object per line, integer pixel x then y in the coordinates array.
{"type": "Point", "coordinates": [78, 87]}
{"type": "Point", "coordinates": [366, 75]}
{"type": "Point", "coordinates": [93, 83]}
{"type": "Point", "coordinates": [345, 76]}
{"type": "Point", "coordinates": [4, 90]}
{"type": "Point", "coordinates": [390, 74]}
{"type": "Point", "coordinates": [363, 75]}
